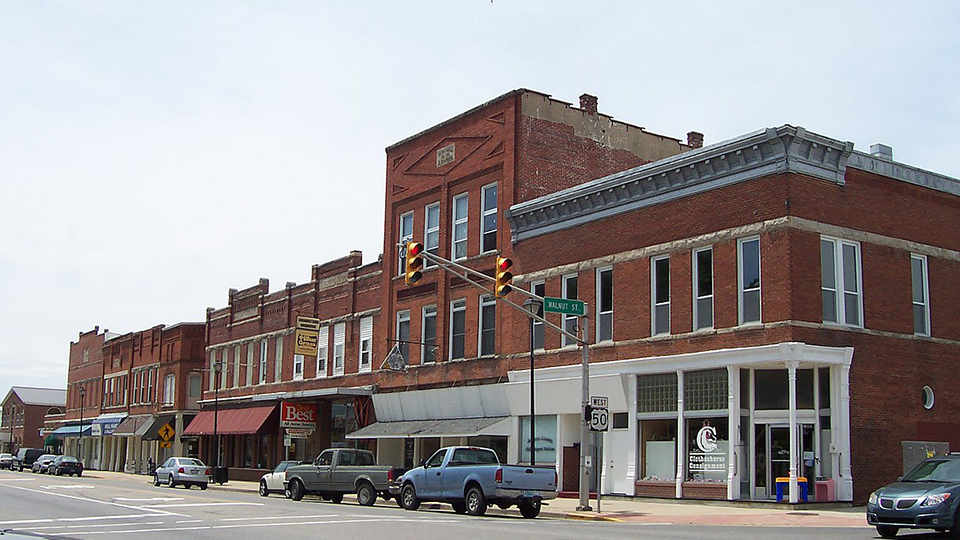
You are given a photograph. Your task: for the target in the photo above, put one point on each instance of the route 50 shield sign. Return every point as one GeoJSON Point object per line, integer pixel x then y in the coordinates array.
{"type": "Point", "coordinates": [599, 418]}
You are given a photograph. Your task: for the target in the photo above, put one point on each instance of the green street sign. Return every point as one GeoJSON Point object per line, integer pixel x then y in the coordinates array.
{"type": "Point", "coordinates": [562, 305]}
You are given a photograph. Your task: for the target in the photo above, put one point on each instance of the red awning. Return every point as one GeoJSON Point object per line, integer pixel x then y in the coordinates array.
{"type": "Point", "coordinates": [244, 421]}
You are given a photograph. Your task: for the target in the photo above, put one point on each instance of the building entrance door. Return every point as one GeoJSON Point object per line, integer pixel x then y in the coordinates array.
{"type": "Point", "coordinates": [773, 456]}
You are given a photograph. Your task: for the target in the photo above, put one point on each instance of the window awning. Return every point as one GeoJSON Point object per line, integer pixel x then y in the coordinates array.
{"type": "Point", "coordinates": [245, 421]}
{"type": "Point", "coordinates": [130, 424]}
{"type": "Point", "coordinates": [450, 427]}
{"type": "Point", "coordinates": [72, 431]}
{"type": "Point", "coordinates": [152, 430]}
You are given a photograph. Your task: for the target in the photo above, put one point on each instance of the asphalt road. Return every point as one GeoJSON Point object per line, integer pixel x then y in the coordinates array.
{"type": "Point", "coordinates": [130, 506]}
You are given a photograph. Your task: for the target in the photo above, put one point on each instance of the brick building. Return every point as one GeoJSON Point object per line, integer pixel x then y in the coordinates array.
{"type": "Point", "coordinates": [133, 385]}
{"type": "Point", "coordinates": [773, 305]}
{"type": "Point", "coordinates": [251, 355]}
{"type": "Point", "coordinates": [24, 412]}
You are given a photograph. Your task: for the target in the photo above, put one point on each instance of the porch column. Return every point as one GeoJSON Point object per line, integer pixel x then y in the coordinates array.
{"type": "Point", "coordinates": [792, 386]}
{"type": "Point", "coordinates": [681, 436]}
{"type": "Point", "coordinates": [845, 488]}
{"type": "Point", "coordinates": [734, 448]}
{"type": "Point", "coordinates": [632, 424]}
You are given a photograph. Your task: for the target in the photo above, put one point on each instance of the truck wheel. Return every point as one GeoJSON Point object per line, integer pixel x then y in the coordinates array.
{"type": "Point", "coordinates": [459, 507]}
{"type": "Point", "coordinates": [886, 531]}
{"type": "Point", "coordinates": [476, 502]}
{"type": "Point", "coordinates": [366, 495]}
{"type": "Point", "coordinates": [336, 498]}
{"type": "Point", "coordinates": [263, 488]}
{"type": "Point", "coordinates": [530, 509]}
{"type": "Point", "coordinates": [296, 490]}
{"type": "Point", "coordinates": [408, 497]}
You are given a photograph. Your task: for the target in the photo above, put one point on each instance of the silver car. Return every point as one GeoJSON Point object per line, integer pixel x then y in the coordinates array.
{"type": "Point", "coordinates": [6, 461]}
{"type": "Point", "coordinates": [184, 471]}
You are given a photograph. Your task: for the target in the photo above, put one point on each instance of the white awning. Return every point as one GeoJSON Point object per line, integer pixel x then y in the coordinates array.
{"type": "Point", "coordinates": [451, 427]}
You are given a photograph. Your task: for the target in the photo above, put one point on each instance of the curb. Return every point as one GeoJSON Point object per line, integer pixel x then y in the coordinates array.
{"type": "Point", "coordinates": [581, 516]}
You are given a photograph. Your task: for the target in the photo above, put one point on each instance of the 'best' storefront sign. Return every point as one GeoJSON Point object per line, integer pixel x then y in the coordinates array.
{"type": "Point", "coordinates": [298, 415]}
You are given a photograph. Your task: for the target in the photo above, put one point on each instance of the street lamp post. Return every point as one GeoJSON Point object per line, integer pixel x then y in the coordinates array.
{"type": "Point", "coordinates": [533, 308]}
{"type": "Point", "coordinates": [216, 413]}
{"type": "Point", "coordinates": [83, 394]}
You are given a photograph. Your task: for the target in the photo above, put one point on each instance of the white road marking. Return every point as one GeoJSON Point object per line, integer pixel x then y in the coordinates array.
{"type": "Point", "coordinates": [61, 486]}
{"type": "Point", "coordinates": [191, 521]}
{"type": "Point", "coordinates": [152, 499]}
{"type": "Point", "coordinates": [278, 517]}
{"type": "Point", "coordinates": [251, 525]}
{"type": "Point", "coordinates": [19, 479]}
{"type": "Point", "coordinates": [88, 518]}
{"type": "Point", "coordinates": [91, 526]}
{"type": "Point", "coordinates": [85, 499]}
{"type": "Point", "coordinates": [190, 505]}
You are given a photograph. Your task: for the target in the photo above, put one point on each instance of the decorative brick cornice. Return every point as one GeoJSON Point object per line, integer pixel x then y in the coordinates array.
{"type": "Point", "coordinates": [754, 155]}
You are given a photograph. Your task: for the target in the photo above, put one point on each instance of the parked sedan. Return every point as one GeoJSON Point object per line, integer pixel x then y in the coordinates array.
{"type": "Point", "coordinates": [66, 465]}
{"type": "Point", "coordinates": [272, 482]}
{"type": "Point", "coordinates": [6, 461]}
{"type": "Point", "coordinates": [43, 463]}
{"type": "Point", "coordinates": [928, 497]}
{"type": "Point", "coordinates": [184, 471]}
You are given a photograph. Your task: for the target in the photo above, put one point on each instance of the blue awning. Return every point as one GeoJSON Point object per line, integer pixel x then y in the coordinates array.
{"type": "Point", "coordinates": [71, 431]}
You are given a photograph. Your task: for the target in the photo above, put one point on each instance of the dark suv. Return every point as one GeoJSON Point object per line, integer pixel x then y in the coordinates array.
{"type": "Point", "coordinates": [25, 458]}
{"type": "Point", "coordinates": [928, 497]}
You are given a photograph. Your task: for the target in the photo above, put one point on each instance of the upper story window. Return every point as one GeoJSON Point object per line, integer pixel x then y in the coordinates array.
{"type": "Point", "coordinates": [263, 361]}
{"type": "Point", "coordinates": [223, 365]}
{"type": "Point", "coordinates": [428, 351]}
{"type": "Point", "coordinates": [488, 325]}
{"type": "Point", "coordinates": [458, 329]}
{"type": "Point", "coordinates": [86, 355]}
{"type": "Point", "coordinates": [249, 363]}
{"type": "Point", "coordinates": [278, 360]}
{"type": "Point", "coordinates": [570, 321]}
{"type": "Point", "coordinates": [488, 220]}
{"type": "Point", "coordinates": [539, 289]}
{"type": "Point", "coordinates": [236, 366]}
{"type": "Point", "coordinates": [460, 218]}
{"type": "Point", "coordinates": [403, 334]}
{"type": "Point", "coordinates": [840, 281]}
{"type": "Point", "coordinates": [604, 304]}
{"type": "Point", "coordinates": [194, 390]}
{"type": "Point", "coordinates": [169, 389]}
{"type": "Point", "coordinates": [339, 342]}
{"type": "Point", "coordinates": [748, 284]}
{"type": "Point", "coordinates": [660, 287]}
{"type": "Point", "coordinates": [921, 295]}
{"type": "Point", "coordinates": [366, 343]}
{"type": "Point", "coordinates": [703, 288]}
{"type": "Point", "coordinates": [212, 372]}
{"type": "Point", "coordinates": [297, 367]}
{"type": "Point", "coordinates": [406, 235]}
{"type": "Point", "coordinates": [323, 340]}
{"type": "Point", "coordinates": [431, 232]}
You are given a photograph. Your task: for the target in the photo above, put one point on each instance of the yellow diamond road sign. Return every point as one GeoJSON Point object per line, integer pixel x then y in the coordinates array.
{"type": "Point", "coordinates": [166, 432]}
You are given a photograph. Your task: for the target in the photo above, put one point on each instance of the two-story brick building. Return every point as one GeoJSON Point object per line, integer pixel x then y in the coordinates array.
{"type": "Point", "coordinates": [774, 305]}
{"type": "Point", "coordinates": [24, 412]}
{"type": "Point", "coordinates": [252, 367]}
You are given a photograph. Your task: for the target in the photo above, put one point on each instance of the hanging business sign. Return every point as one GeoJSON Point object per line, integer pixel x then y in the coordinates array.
{"type": "Point", "coordinates": [307, 336]}
{"type": "Point", "coordinates": [298, 415]}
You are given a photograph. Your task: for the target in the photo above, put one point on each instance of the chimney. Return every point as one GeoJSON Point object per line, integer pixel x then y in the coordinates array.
{"type": "Point", "coordinates": [694, 139]}
{"type": "Point", "coordinates": [588, 103]}
{"type": "Point", "coordinates": [291, 284]}
{"type": "Point", "coordinates": [881, 151]}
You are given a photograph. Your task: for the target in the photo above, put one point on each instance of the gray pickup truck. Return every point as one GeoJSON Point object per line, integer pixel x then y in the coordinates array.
{"type": "Point", "coordinates": [471, 478]}
{"type": "Point", "coordinates": [337, 471]}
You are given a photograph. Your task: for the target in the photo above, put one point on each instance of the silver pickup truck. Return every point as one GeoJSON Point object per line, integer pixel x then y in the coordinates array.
{"type": "Point", "coordinates": [337, 471]}
{"type": "Point", "coordinates": [471, 478]}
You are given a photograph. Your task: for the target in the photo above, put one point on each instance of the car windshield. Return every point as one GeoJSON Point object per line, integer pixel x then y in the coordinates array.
{"type": "Point", "coordinates": [191, 462]}
{"type": "Point", "coordinates": [67, 459]}
{"type": "Point", "coordinates": [935, 470]}
{"type": "Point", "coordinates": [283, 465]}
{"type": "Point", "coordinates": [5, 456]}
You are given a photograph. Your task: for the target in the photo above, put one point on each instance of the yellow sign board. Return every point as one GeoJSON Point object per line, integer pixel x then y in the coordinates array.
{"type": "Point", "coordinates": [307, 341]}
{"type": "Point", "coordinates": [308, 323]}
{"type": "Point", "coordinates": [166, 433]}
{"type": "Point", "coordinates": [165, 444]}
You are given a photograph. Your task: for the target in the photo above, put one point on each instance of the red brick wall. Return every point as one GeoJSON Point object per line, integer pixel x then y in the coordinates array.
{"type": "Point", "coordinates": [88, 374]}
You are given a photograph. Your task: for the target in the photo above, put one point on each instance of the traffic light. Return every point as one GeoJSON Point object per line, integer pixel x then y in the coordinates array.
{"type": "Point", "coordinates": [414, 263]}
{"type": "Point", "coordinates": [504, 277]}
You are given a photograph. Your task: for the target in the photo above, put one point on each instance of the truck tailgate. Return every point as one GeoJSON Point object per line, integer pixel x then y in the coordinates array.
{"type": "Point", "coordinates": [529, 478]}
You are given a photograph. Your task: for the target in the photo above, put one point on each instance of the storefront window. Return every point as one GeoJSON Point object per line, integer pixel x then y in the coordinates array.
{"type": "Point", "coordinates": [658, 439]}
{"type": "Point", "coordinates": [707, 444]}
{"type": "Point", "coordinates": [773, 390]}
{"type": "Point", "coordinates": [657, 393]}
{"type": "Point", "coordinates": [344, 421]}
{"type": "Point", "coordinates": [546, 434]}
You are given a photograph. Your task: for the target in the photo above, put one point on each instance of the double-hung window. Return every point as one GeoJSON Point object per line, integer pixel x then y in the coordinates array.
{"type": "Point", "coordinates": [428, 352]}
{"type": "Point", "coordinates": [297, 367]}
{"type": "Point", "coordinates": [278, 360]}
{"type": "Point", "coordinates": [406, 235]}
{"type": "Point", "coordinates": [604, 304]}
{"type": "Point", "coordinates": [460, 218]}
{"type": "Point", "coordinates": [222, 366]}
{"type": "Point", "coordinates": [921, 295]}
{"type": "Point", "coordinates": [236, 366]}
{"type": "Point", "coordinates": [458, 329]}
{"type": "Point", "coordinates": [403, 334]}
{"type": "Point", "coordinates": [538, 289]}
{"type": "Point", "coordinates": [570, 321]}
{"type": "Point", "coordinates": [322, 351]}
{"type": "Point", "coordinates": [660, 287]}
{"type": "Point", "coordinates": [263, 361]}
{"type": "Point", "coordinates": [339, 342]}
{"type": "Point", "coordinates": [431, 232]}
{"type": "Point", "coordinates": [840, 281]}
{"type": "Point", "coordinates": [488, 325]}
{"type": "Point", "coordinates": [748, 284]}
{"type": "Point", "coordinates": [488, 220]}
{"type": "Point", "coordinates": [366, 343]}
{"type": "Point", "coordinates": [249, 363]}
{"type": "Point", "coordinates": [702, 288]}
{"type": "Point", "coordinates": [169, 388]}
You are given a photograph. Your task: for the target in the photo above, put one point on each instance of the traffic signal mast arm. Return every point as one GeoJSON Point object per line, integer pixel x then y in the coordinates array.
{"type": "Point", "coordinates": [456, 269]}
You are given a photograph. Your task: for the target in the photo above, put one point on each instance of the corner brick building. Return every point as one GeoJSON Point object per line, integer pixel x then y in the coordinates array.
{"type": "Point", "coordinates": [24, 412]}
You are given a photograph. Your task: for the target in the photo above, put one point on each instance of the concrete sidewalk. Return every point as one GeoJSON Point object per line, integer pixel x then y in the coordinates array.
{"type": "Point", "coordinates": [639, 510]}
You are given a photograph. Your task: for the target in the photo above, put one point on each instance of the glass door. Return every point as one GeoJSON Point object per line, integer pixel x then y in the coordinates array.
{"type": "Point", "coordinates": [772, 458]}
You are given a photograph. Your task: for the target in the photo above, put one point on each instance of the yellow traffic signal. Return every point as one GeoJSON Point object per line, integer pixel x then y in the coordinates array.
{"type": "Point", "coordinates": [504, 277]}
{"type": "Point", "coordinates": [414, 263]}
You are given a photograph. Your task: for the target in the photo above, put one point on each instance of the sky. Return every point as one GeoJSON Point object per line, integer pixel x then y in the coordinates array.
{"type": "Point", "coordinates": [155, 154]}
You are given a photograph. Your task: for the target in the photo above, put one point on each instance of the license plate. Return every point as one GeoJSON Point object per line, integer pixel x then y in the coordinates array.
{"type": "Point", "coordinates": [530, 494]}
{"type": "Point", "coordinates": [193, 471]}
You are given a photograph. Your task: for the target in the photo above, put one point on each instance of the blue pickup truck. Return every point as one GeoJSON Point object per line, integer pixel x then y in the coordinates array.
{"type": "Point", "coordinates": [471, 478]}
